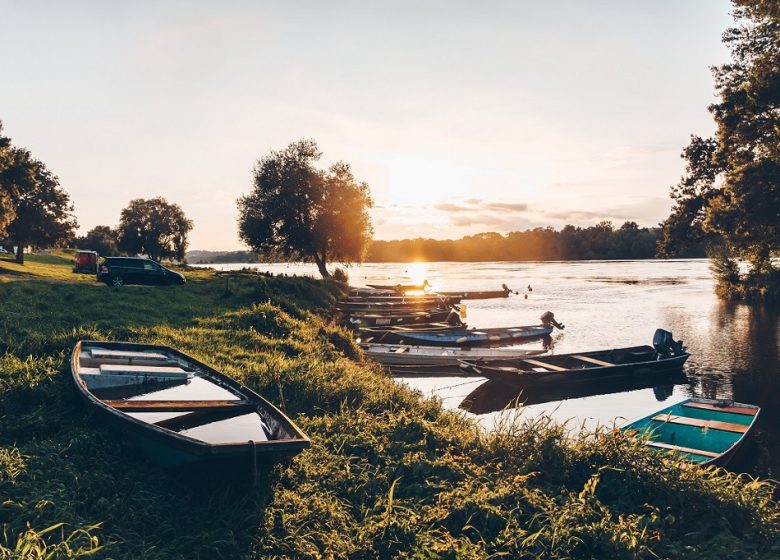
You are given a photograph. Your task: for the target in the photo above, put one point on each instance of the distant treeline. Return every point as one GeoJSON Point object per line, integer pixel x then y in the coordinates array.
{"type": "Point", "coordinates": [598, 242]}
{"type": "Point", "coordinates": [217, 257]}
{"type": "Point", "coordinates": [601, 241]}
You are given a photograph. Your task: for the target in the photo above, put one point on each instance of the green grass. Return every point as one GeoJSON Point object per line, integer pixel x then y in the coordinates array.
{"type": "Point", "coordinates": [389, 474]}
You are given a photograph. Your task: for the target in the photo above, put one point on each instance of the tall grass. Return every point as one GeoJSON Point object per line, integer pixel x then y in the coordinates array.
{"type": "Point", "coordinates": [389, 474]}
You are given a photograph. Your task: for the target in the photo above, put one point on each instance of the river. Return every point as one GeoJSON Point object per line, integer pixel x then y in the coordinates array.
{"type": "Point", "coordinates": [605, 304]}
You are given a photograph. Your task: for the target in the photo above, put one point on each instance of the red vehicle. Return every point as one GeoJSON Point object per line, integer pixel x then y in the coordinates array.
{"type": "Point", "coordinates": [85, 262]}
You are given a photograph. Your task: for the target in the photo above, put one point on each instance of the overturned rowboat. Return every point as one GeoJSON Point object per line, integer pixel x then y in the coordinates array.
{"type": "Point", "coordinates": [181, 411]}
{"type": "Point", "coordinates": [700, 431]}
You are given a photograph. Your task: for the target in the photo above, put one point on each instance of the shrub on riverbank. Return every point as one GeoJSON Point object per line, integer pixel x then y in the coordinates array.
{"type": "Point", "coordinates": [757, 284]}
{"type": "Point", "coordinates": [388, 474]}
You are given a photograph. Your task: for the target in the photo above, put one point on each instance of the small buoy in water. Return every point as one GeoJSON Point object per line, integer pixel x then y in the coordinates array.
{"type": "Point", "coordinates": [526, 296]}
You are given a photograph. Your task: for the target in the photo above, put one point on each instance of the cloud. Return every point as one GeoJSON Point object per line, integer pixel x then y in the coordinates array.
{"type": "Point", "coordinates": [577, 215]}
{"type": "Point", "coordinates": [646, 211]}
{"type": "Point", "coordinates": [507, 206]}
{"type": "Point", "coordinates": [477, 205]}
{"type": "Point", "coordinates": [447, 207]}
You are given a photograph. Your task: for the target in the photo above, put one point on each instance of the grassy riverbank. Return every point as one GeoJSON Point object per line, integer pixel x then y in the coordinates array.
{"type": "Point", "coordinates": [388, 474]}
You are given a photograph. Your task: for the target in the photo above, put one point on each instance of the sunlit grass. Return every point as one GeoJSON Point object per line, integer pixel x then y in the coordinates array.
{"type": "Point", "coordinates": [388, 474]}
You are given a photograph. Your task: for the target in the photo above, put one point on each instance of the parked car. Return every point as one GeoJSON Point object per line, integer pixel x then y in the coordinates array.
{"type": "Point", "coordinates": [85, 262]}
{"type": "Point", "coordinates": [116, 271]}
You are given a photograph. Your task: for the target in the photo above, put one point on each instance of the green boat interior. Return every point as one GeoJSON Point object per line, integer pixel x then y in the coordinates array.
{"type": "Point", "coordinates": [697, 430]}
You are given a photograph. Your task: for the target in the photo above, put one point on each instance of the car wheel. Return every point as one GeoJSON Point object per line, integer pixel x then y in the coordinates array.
{"type": "Point", "coordinates": [117, 281]}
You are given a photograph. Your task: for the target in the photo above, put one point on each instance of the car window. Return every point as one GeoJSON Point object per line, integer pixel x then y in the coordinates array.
{"type": "Point", "coordinates": [151, 266]}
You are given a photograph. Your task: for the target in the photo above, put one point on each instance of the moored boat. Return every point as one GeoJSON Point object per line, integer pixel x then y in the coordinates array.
{"type": "Point", "coordinates": [400, 288]}
{"type": "Point", "coordinates": [480, 294]}
{"type": "Point", "coordinates": [409, 304]}
{"type": "Point", "coordinates": [700, 431]}
{"type": "Point", "coordinates": [458, 336]}
{"type": "Point", "coordinates": [368, 319]}
{"type": "Point", "coordinates": [665, 354]}
{"type": "Point", "coordinates": [181, 411]}
{"type": "Point", "coordinates": [402, 354]}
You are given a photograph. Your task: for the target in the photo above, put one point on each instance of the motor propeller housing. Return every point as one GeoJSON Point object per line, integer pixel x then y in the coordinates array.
{"type": "Point", "coordinates": [664, 343]}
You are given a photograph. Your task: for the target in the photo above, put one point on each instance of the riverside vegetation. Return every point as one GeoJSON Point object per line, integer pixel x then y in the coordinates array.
{"type": "Point", "coordinates": [389, 474]}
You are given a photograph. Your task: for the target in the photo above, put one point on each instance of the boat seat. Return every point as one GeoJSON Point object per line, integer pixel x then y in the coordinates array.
{"type": "Point", "coordinates": [730, 409]}
{"type": "Point", "coordinates": [696, 422]}
{"type": "Point", "coordinates": [126, 354]}
{"type": "Point", "coordinates": [594, 361]}
{"type": "Point", "coordinates": [124, 369]}
{"type": "Point", "coordinates": [537, 363]}
{"type": "Point", "coordinates": [177, 406]}
{"type": "Point", "coordinates": [681, 449]}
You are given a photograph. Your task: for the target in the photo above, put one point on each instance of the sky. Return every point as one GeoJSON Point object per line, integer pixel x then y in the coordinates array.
{"type": "Point", "coordinates": [463, 117]}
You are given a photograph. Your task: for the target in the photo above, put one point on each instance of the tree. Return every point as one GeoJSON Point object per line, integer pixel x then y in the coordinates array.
{"type": "Point", "coordinates": [155, 228]}
{"type": "Point", "coordinates": [102, 239]}
{"type": "Point", "coordinates": [730, 193]}
{"type": "Point", "coordinates": [7, 212]}
{"type": "Point", "coordinates": [40, 210]}
{"type": "Point", "coordinates": [297, 211]}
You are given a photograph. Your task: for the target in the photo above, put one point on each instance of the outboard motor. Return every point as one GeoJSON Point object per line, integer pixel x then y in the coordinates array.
{"type": "Point", "coordinates": [665, 345]}
{"type": "Point", "coordinates": [453, 318]}
{"type": "Point", "coordinates": [548, 318]}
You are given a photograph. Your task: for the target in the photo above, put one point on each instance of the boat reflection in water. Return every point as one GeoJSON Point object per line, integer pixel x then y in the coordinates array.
{"type": "Point", "coordinates": [493, 396]}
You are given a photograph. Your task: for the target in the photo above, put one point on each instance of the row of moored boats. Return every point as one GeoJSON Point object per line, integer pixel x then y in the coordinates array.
{"type": "Point", "coordinates": [415, 331]}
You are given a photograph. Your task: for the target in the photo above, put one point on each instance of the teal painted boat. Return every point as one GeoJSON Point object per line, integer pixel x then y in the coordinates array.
{"type": "Point", "coordinates": [701, 431]}
{"type": "Point", "coordinates": [180, 411]}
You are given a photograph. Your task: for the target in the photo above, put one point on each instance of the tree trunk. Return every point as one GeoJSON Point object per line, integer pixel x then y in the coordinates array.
{"type": "Point", "coordinates": [20, 252]}
{"type": "Point", "coordinates": [321, 264]}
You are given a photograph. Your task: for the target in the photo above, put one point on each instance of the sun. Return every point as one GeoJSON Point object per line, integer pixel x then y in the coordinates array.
{"type": "Point", "coordinates": [417, 272]}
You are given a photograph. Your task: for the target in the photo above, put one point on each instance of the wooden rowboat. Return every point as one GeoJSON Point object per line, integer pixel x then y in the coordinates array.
{"type": "Point", "coordinates": [181, 411]}
{"type": "Point", "coordinates": [700, 431]}
{"type": "Point", "coordinates": [664, 355]}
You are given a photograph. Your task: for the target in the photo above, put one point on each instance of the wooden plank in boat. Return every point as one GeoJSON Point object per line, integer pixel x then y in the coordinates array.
{"type": "Point", "coordinates": [126, 354]}
{"type": "Point", "coordinates": [682, 449]}
{"type": "Point", "coordinates": [123, 369]}
{"type": "Point", "coordinates": [176, 406]}
{"type": "Point", "coordinates": [594, 361]}
{"type": "Point", "coordinates": [731, 409]}
{"type": "Point", "coordinates": [537, 363]}
{"type": "Point", "coordinates": [696, 422]}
